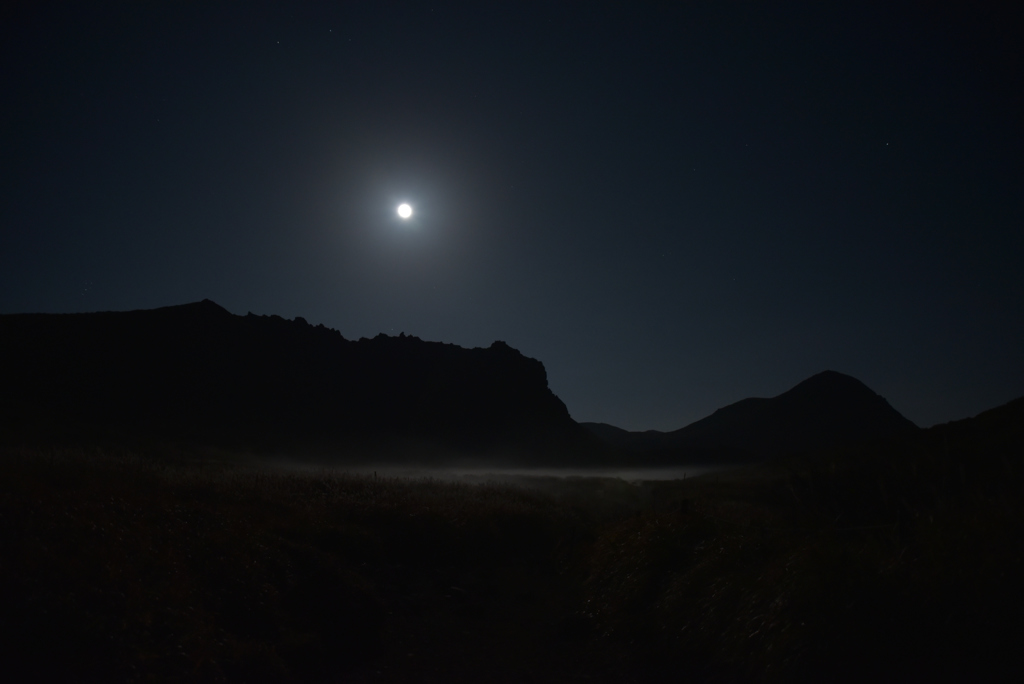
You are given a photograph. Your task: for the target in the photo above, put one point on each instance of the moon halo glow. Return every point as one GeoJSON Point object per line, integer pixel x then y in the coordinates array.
{"type": "Point", "coordinates": [404, 211]}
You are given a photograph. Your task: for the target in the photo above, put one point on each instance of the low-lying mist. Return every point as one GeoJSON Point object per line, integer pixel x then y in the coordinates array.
{"type": "Point", "coordinates": [889, 561]}
{"type": "Point", "coordinates": [496, 474]}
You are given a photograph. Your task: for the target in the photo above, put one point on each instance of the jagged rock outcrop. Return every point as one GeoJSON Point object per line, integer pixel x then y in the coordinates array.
{"type": "Point", "coordinates": [197, 372]}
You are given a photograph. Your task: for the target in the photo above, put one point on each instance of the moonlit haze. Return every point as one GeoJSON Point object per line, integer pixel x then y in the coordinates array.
{"type": "Point", "coordinates": [672, 206]}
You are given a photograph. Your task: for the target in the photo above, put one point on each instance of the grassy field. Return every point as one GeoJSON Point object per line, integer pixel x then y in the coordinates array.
{"type": "Point", "coordinates": [897, 562]}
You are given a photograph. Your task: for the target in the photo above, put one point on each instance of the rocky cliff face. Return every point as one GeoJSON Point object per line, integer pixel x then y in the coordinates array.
{"type": "Point", "coordinates": [198, 372]}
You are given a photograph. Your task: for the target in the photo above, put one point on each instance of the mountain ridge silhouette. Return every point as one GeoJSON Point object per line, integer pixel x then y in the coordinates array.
{"type": "Point", "coordinates": [826, 410]}
{"type": "Point", "coordinates": [196, 372]}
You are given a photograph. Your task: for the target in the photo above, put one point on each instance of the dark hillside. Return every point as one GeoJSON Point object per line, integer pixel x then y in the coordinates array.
{"type": "Point", "coordinates": [199, 373]}
{"type": "Point", "coordinates": [827, 410]}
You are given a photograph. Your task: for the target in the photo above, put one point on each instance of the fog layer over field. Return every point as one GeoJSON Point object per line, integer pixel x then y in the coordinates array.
{"type": "Point", "coordinates": [499, 474]}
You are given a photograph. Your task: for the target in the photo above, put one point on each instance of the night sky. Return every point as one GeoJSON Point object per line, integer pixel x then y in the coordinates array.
{"type": "Point", "coordinates": [672, 209]}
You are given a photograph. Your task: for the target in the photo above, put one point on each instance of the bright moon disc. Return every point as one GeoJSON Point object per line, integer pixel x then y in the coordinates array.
{"type": "Point", "coordinates": [404, 210]}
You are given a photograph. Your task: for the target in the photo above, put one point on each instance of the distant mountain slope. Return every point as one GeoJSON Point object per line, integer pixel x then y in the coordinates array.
{"type": "Point", "coordinates": [825, 410]}
{"type": "Point", "coordinates": [624, 439]}
{"type": "Point", "coordinates": [999, 430]}
{"type": "Point", "coordinates": [198, 372]}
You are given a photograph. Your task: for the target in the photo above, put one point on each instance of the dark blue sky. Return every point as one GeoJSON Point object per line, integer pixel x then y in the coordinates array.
{"type": "Point", "coordinates": [672, 210]}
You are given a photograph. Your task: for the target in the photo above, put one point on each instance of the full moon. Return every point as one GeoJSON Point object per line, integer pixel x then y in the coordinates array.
{"type": "Point", "coordinates": [404, 210]}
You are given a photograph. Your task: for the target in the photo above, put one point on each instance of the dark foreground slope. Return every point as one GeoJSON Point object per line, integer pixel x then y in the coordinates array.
{"type": "Point", "coordinates": [826, 410]}
{"type": "Point", "coordinates": [898, 561]}
{"type": "Point", "coordinates": [197, 373]}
